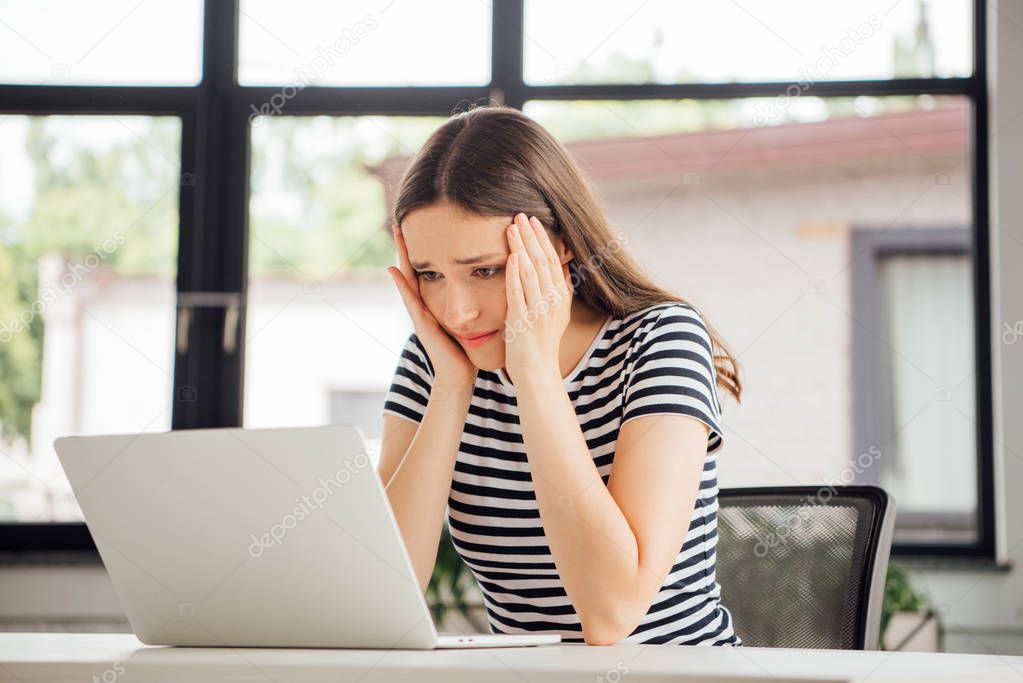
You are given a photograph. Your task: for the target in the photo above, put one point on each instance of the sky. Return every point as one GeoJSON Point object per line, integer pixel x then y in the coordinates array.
{"type": "Point", "coordinates": [403, 42]}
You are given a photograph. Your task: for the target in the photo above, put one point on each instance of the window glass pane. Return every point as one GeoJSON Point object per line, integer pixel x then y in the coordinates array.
{"type": "Point", "coordinates": [88, 220]}
{"type": "Point", "coordinates": [324, 319]}
{"type": "Point", "coordinates": [746, 208]}
{"type": "Point", "coordinates": [114, 42]}
{"type": "Point", "coordinates": [932, 470]}
{"type": "Point", "coordinates": [366, 42]}
{"type": "Point", "coordinates": [666, 41]}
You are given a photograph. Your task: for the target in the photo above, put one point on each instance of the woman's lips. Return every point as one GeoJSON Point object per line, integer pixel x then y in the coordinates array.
{"type": "Point", "coordinates": [478, 341]}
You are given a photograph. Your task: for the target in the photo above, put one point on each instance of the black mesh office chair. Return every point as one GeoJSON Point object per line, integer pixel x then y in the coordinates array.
{"type": "Point", "coordinates": [805, 566]}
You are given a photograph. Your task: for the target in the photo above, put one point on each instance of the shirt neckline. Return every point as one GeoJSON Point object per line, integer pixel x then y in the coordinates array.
{"type": "Point", "coordinates": [579, 367]}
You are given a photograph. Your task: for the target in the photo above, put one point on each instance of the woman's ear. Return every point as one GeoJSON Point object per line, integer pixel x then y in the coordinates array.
{"type": "Point", "coordinates": [564, 253]}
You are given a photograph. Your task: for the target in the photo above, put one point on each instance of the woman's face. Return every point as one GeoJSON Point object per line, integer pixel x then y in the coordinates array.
{"type": "Point", "coordinates": [467, 299]}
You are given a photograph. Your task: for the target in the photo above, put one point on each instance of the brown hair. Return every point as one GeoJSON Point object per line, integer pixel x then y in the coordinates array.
{"type": "Point", "coordinates": [495, 161]}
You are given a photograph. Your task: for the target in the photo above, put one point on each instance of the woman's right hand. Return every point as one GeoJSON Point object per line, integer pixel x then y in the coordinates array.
{"type": "Point", "coordinates": [451, 365]}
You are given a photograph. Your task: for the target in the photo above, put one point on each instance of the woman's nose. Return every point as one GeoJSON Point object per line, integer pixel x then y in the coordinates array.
{"type": "Point", "coordinates": [460, 310]}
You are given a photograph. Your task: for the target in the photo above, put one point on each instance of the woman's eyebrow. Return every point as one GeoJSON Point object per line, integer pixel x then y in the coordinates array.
{"type": "Point", "coordinates": [419, 265]}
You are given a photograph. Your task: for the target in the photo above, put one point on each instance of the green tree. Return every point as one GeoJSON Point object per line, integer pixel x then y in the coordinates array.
{"type": "Point", "coordinates": [129, 188]}
{"type": "Point", "coordinates": [21, 333]}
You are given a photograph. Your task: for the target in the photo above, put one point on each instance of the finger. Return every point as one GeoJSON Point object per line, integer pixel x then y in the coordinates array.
{"type": "Point", "coordinates": [559, 276]}
{"type": "Point", "coordinates": [553, 260]}
{"type": "Point", "coordinates": [422, 318]}
{"type": "Point", "coordinates": [513, 290]}
{"type": "Point", "coordinates": [524, 268]}
{"type": "Point", "coordinates": [410, 300]}
{"type": "Point", "coordinates": [537, 257]}
{"type": "Point", "coordinates": [403, 260]}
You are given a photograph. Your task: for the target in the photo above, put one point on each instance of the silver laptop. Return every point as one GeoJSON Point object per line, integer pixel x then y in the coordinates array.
{"type": "Point", "coordinates": [255, 538]}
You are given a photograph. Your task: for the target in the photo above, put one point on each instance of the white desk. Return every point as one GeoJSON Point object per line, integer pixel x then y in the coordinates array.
{"type": "Point", "coordinates": [119, 658]}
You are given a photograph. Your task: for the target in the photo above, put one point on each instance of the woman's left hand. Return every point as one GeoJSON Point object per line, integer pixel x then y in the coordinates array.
{"type": "Point", "coordinates": [539, 301]}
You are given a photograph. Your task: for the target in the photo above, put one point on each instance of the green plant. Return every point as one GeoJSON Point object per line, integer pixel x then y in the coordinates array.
{"type": "Point", "coordinates": [447, 583]}
{"type": "Point", "coordinates": [899, 596]}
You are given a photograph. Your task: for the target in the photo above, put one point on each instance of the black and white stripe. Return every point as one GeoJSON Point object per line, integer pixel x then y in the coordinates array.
{"type": "Point", "coordinates": [655, 361]}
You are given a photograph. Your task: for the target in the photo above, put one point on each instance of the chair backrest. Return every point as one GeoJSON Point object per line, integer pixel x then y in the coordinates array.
{"type": "Point", "coordinates": [805, 566]}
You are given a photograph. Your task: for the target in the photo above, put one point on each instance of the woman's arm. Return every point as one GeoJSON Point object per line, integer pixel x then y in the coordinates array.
{"type": "Point", "coordinates": [418, 490]}
{"type": "Point", "coordinates": [613, 545]}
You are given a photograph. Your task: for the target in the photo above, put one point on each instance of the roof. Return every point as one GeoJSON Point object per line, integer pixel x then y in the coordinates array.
{"type": "Point", "coordinates": [919, 134]}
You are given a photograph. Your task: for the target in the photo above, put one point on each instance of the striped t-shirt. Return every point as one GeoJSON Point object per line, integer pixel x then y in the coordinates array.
{"type": "Point", "coordinates": [655, 361]}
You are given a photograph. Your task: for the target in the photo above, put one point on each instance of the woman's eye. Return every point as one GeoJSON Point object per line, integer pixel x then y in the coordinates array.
{"type": "Point", "coordinates": [485, 273]}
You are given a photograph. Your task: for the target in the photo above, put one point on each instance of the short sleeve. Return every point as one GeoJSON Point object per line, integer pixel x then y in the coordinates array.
{"type": "Point", "coordinates": [672, 372]}
{"type": "Point", "coordinates": [410, 387]}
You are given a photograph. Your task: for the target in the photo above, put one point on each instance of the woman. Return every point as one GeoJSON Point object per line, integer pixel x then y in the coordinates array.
{"type": "Point", "coordinates": [553, 404]}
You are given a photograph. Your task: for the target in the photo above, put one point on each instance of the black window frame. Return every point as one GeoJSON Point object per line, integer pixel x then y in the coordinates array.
{"type": "Point", "coordinates": [214, 193]}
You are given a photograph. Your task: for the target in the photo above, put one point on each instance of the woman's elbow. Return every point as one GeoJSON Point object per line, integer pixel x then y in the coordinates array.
{"type": "Point", "coordinates": [604, 632]}
{"type": "Point", "coordinates": [612, 618]}
{"type": "Point", "coordinates": [599, 639]}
